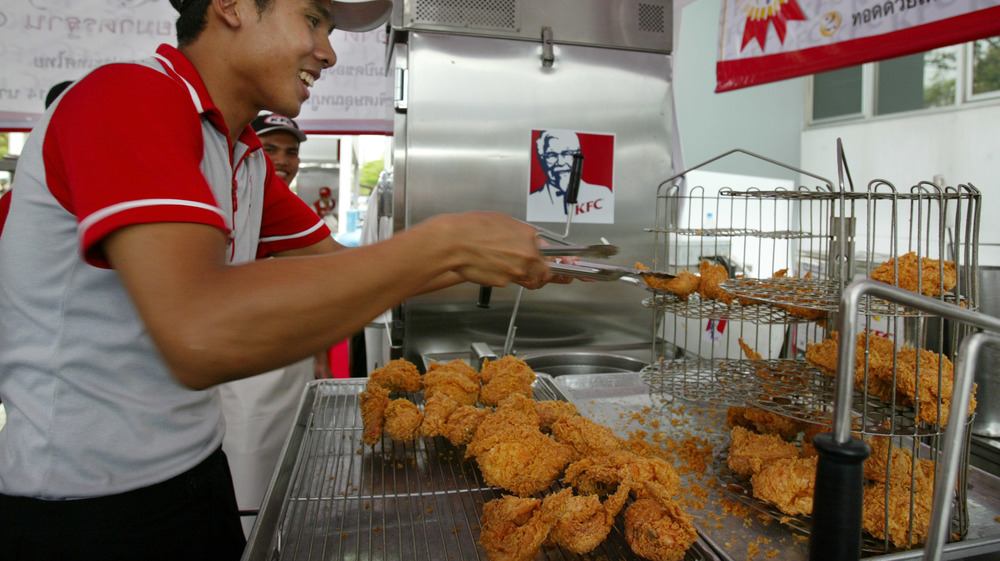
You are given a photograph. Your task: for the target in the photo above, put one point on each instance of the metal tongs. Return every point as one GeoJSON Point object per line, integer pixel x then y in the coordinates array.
{"type": "Point", "coordinates": [601, 272]}
{"type": "Point", "coordinates": [599, 251]}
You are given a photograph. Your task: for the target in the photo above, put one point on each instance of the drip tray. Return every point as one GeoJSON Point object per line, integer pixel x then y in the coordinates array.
{"type": "Point", "coordinates": [561, 364]}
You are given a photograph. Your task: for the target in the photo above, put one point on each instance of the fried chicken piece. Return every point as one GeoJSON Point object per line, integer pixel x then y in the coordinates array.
{"type": "Point", "coordinates": [763, 422]}
{"type": "Point", "coordinates": [899, 468]}
{"type": "Point", "coordinates": [508, 365]}
{"type": "Point", "coordinates": [524, 462]}
{"type": "Point", "coordinates": [603, 475]}
{"type": "Point", "coordinates": [504, 386]}
{"type": "Point", "coordinates": [373, 402]}
{"type": "Point", "coordinates": [513, 528]}
{"type": "Point", "coordinates": [880, 352]}
{"type": "Point", "coordinates": [513, 453]}
{"type": "Point", "coordinates": [457, 366]}
{"type": "Point", "coordinates": [931, 395]}
{"type": "Point", "coordinates": [585, 437]}
{"type": "Point", "coordinates": [658, 529]}
{"type": "Point", "coordinates": [749, 451]}
{"type": "Point", "coordinates": [452, 380]}
{"type": "Point", "coordinates": [877, 507]}
{"type": "Point", "coordinates": [749, 351]}
{"type": "Point", "coordinates": [520, 409]}
{"type": "Point", "coordinates": [935, 276]}
{"type": "Point", "coordinates": [811, 314]}
{"type": "Point", "coordinates": [550, 411]}
{"type": "Point", "coordinates": [437, 408]}
{"type": "Point", "coordinates": [462, 424]}
{"type": "Point", "coordinates": [581, 521]}
{"type": "Point", "coordinates": [683, 284]}
{"type": "Point", "coordinates": [787, 483]}
{"type": "Point", "coordinates": [808, 434]}
{"type": "Point", "coordinates": [402, 420]}
{"type": "Point", "coordinates": [708, 285]}
{"type": "Point", "coordinates": [507, 376]}
{"type": "Point", "coordinates": [398, 375]}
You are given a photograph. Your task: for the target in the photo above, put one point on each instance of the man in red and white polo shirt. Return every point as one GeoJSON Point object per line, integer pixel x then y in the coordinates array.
{"type": "Point", "coordinates": [130, 284]}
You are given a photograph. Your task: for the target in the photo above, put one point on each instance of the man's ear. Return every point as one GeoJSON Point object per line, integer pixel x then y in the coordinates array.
{"type": "Point", "coordinates": [228, 11]}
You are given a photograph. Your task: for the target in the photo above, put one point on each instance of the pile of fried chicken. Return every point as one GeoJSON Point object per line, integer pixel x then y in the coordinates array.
{"type": "Point", "coordinates": [922, 379]}
{"type": "Point", "coordinates": [763, 446]}
{"type": "Point", "coordinates": [525, 447]}
{"type": "Point", "coordinates": [781, 472]}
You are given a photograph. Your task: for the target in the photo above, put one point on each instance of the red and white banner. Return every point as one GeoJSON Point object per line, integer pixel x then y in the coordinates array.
{"type": "Point", "coordinates": [44, 42]}
{"type": "Point", "coordinates": [765, 41]}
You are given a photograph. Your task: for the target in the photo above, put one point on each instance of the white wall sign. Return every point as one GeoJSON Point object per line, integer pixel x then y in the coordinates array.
{"type": "Point", "coordinates": [44, 42]}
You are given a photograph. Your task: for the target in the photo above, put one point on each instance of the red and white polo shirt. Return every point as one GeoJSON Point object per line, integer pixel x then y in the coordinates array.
{"type": "Point", "coordinates": [92, 409]}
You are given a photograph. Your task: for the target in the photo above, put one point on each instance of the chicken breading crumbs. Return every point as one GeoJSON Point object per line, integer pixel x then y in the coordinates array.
{"type": "Point", "coordinates": [637, 435]}
{"type": "Point", "coordinates": [739, 510]}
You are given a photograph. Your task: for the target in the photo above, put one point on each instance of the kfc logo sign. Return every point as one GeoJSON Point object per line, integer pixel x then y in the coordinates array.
{"type": "Point", "coordinates": [551, 162]}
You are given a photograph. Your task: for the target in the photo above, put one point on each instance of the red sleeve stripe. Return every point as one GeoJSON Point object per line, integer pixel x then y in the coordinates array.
{"type": "Point", "coordinates": [121, 207]}
{"type": "Point", "coordinates": [302, 234]}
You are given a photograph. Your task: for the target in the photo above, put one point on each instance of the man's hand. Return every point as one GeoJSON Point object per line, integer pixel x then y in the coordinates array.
{"type": "Point", "coordinates": [490, 248]}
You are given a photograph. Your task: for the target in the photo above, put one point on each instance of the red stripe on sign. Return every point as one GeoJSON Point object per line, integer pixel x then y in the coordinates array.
{"type": "Point", "coordinates": [742, 73]}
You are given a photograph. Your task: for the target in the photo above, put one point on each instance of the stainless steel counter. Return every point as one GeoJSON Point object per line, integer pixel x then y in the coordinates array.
{"type": "Point", "coordinates": [333, 498]}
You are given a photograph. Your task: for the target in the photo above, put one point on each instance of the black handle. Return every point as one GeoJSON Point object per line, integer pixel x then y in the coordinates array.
{"type": "Point", "coordinates": [837, 500]}
{"type": "Point", "coordinates": [575, 173]}
{"type": "Point", "coordinates": [484, 296]}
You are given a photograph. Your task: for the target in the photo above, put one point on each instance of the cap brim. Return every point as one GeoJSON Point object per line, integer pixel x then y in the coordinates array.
{"type": "Point", "coordinates": [294, 132]}
{"type": "Point", "coordinates": [355, 16]}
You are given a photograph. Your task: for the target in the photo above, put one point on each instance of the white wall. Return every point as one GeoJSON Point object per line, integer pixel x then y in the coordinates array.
{"type": "Point", "coordinates": [765, 119]}
{"type": "Point", "coordinates": [960, 145]}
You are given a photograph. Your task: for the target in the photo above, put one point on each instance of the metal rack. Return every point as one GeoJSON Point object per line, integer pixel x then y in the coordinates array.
{"type": "Point", "coordinates": [826, 237]}
{"type": "Point", "coordinates": [334, 498]}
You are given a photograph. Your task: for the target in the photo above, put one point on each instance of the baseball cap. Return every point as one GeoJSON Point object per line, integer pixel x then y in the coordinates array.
{"type": "Point", "coordinates": [348, 15]}
{"type": "Point", "coordinates": [271, 122]}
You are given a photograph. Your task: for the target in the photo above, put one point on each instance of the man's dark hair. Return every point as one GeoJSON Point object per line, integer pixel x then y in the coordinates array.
{"type": "Point", "coordinates": [55, 91]}
{"type": "Point", "coordinates": [192, 22]}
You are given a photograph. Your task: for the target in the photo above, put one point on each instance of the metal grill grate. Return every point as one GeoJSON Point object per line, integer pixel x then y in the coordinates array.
{"type": "Point", "coordinates": [817, 294]}
{"type": "Point", "coordinates": [411, 500]}
{"type": "Point", "coordinates": [488, 14]}
{"type": "Point", "coordinates": [697, 308]}
{"type": "Point", "coordinates": [652, 18]}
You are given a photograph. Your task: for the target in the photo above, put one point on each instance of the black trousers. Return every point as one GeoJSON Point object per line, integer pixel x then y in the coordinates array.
{"type": "Point", "coordinates": [190, 517]}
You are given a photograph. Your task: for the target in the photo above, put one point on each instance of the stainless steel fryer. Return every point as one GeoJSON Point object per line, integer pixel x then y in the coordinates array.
{"type": "Point", "coordinates": [333, 498]}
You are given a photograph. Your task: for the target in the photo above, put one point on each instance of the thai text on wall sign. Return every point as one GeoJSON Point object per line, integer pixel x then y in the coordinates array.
{"type": "Point", "coordinates": [764, 41]}
{"type": "Point", "coordinates": [45, 42]}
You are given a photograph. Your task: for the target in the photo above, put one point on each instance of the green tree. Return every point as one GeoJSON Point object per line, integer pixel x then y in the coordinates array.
{"type": "Point", "coordinates": [4, 144]}
{"type": "Point", "coordinates": [940, 68]}
{"type": "Point", "coordinates": [986, 65]}
{"type": "Point", "coordinates": [369, 173]}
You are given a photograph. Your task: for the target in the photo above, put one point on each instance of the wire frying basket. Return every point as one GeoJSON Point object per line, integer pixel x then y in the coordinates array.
{"type": "Point", "coordinates": [765, 338]}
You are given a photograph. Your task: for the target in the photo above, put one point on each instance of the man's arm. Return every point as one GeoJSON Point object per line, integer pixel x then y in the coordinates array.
{"type": "Point", "coordinates": [329, 245]}
{"type": "Point", "coordinates": [216, 322]}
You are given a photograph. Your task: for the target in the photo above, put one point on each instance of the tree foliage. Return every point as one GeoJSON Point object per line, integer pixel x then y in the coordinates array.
{"type": "Point", "coordinates": [986, 65]}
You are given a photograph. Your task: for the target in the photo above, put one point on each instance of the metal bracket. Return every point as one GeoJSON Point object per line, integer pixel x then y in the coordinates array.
{"type": "Point", "coordinates": [399, 98]}
{"type": "Point", "coordinates": [548, 55]}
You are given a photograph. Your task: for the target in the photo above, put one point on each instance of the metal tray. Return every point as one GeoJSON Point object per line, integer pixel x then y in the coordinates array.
{"type": "Point", "coordinates": [333, 498]}
{"type": "Point", "coordinates": [752, 533]}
